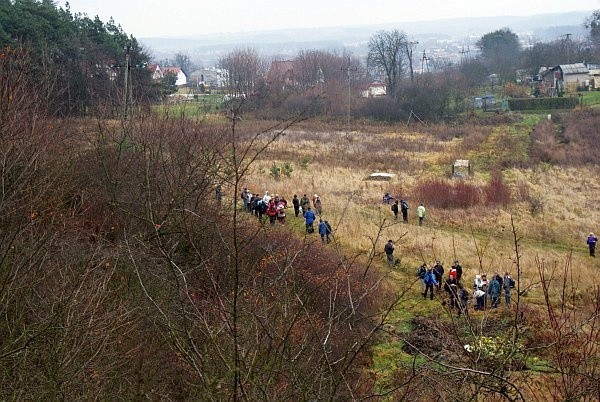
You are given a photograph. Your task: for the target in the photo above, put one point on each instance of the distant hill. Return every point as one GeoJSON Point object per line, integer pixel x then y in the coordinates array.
{"type": "Point", "coordinates": [460, 31]}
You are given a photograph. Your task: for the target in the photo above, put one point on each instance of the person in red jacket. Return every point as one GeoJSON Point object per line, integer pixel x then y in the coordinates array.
{"type": "Point", "coordinates": [272, 212]}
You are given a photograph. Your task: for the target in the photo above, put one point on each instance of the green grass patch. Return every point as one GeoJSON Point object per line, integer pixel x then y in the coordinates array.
{"type": "Point", "coordinates": [506, 146]}
{"type": "Point", "coordinates": [538, 365]}
{"type": "Point", "coordinates": [198, 106]}
{"type": "Point", "coordinates": [591, 98]}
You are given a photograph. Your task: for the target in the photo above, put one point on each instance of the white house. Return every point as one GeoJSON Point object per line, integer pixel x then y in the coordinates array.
{"type": "Point", "coordinates": [178, 72]}
{"type": "Point", "coordinates": [374, 90]}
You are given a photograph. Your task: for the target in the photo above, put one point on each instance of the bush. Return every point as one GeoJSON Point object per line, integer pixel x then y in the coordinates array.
{"type": "Point", "coordinates": [460, 194]}
{"type": "Point", "coordinates": [441, 194]}
{"type": "Point", "coordinates": [275, 172]}
{"type": "Point", "coordinates": [496, 191]}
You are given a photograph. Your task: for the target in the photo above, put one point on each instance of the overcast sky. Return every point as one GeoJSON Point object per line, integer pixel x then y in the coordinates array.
{"type": "Point", "coordinates": [151, 18]}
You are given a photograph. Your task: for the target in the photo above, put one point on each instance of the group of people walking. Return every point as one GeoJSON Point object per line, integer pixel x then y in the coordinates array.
{"type": "Point", "coordinates": [274, 207]}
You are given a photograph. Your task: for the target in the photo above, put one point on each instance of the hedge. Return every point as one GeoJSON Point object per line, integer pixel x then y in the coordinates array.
{"type": "Point", "coordinates": [542, 103]}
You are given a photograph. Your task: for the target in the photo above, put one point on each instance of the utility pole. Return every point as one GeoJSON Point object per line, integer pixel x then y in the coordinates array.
{"type": "Point", "coordinates": [464, 58]}
{"type": "Point", "coordinates": [568, 43]}
{"type": "Point", "coordinates": [424, 63]}
{"type": "Point", "coordinates": [127, 92]}
{"type": "Point", "coordinates": [349, 77]}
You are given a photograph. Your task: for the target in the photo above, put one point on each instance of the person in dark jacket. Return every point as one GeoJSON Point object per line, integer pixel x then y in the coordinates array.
{"type": "Point", "coordinates": [329, 231]}
{"type": "Point", "coordinates": [305, 203]}
{"type": "Point", "coordinates": [404, 209]}
{"type": "Point", "coordinates": [389, 253]}
{"type": "Point", "coordinates": [395, 210]}
{"type": "Point", "coordinates": [507, 284]}
{"type": "Point", "coordinates": [452, 290]}
{"type": "Point", "coordinates": [438, 271]}
{"type": "Point", "coordinates": [322, 228]}
{"type": "Point", "coordinates": [591, 242]}
{"type": "Point", "coordinates": [296, 203]}
{"type": "Point", "coordinates": [500, 280]}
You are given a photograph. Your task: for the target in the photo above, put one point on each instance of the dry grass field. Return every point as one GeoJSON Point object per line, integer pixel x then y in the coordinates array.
{"type": "Point", "coordinates": [553, 208]}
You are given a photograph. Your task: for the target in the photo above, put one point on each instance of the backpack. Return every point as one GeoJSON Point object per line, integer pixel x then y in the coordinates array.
{"type": "Point", "coordinates": [420, 272]}
{"type": "Point", "coordinates": [389, 248]}
{"type": "Point", "coordinates": [428, 277]}
{"type": "Point", "coordinates": [511, 282]}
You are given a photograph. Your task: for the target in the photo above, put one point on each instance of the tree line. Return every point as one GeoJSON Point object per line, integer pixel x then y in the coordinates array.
{"type": "Point", "coordinates": [318, 78]}
{"type": "Point", "coordinates": [82, 59]}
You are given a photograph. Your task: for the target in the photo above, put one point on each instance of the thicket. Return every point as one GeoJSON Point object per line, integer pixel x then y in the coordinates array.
{"type": "Point", "coordinates": [445, 194]}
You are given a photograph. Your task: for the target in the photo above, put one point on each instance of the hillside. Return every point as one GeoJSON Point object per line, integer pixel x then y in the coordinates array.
{"type": "Point", "coordinates": [461, 31]}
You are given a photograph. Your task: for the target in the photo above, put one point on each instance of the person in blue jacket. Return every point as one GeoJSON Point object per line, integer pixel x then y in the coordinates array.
{"type": "Point", "coordinates": [309, 220]}
{"type": "Point", "coordinates": [591, 242]}
{"type": "Point", "coordinates": [429, 281]}
{"type": "Point", "coordinates": [494, 291]}
{"type": "Point", "coordinates": [322, 230]}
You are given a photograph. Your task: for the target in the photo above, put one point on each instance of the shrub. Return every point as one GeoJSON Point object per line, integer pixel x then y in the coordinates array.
{"type": "Point", "coordinates": [571, 139]}
{"type": "Point", "coordinates": [287, 169]}
{"type": "Point", "coordinates": [275, 172]}
{"type": "Point", "coordinates": [304, 162]}
{"type": "Point", "coordinates": [461, 194]}
{"type": "Point", "coordinates": [496, 191]}
{"type": "Point", "coordinates": [442, 194]}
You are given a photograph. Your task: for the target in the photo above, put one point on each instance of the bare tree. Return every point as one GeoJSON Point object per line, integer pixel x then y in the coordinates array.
{"type": "Point", "coordinates": [245, 67]}
{"type": "Point", "coordinates": [387, 53]}
{"type": "Point", "coordinates": [409, 48]}
{"type": "Point", "coordinates": [184, 62]}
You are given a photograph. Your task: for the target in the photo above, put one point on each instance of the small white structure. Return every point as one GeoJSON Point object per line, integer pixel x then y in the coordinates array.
{"type": "Point", "coordinates": [374, 90]}
{"type": "Point", "coordinates": [461, 168]}
{"type": "Point", "coordinates": [381, 176]}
